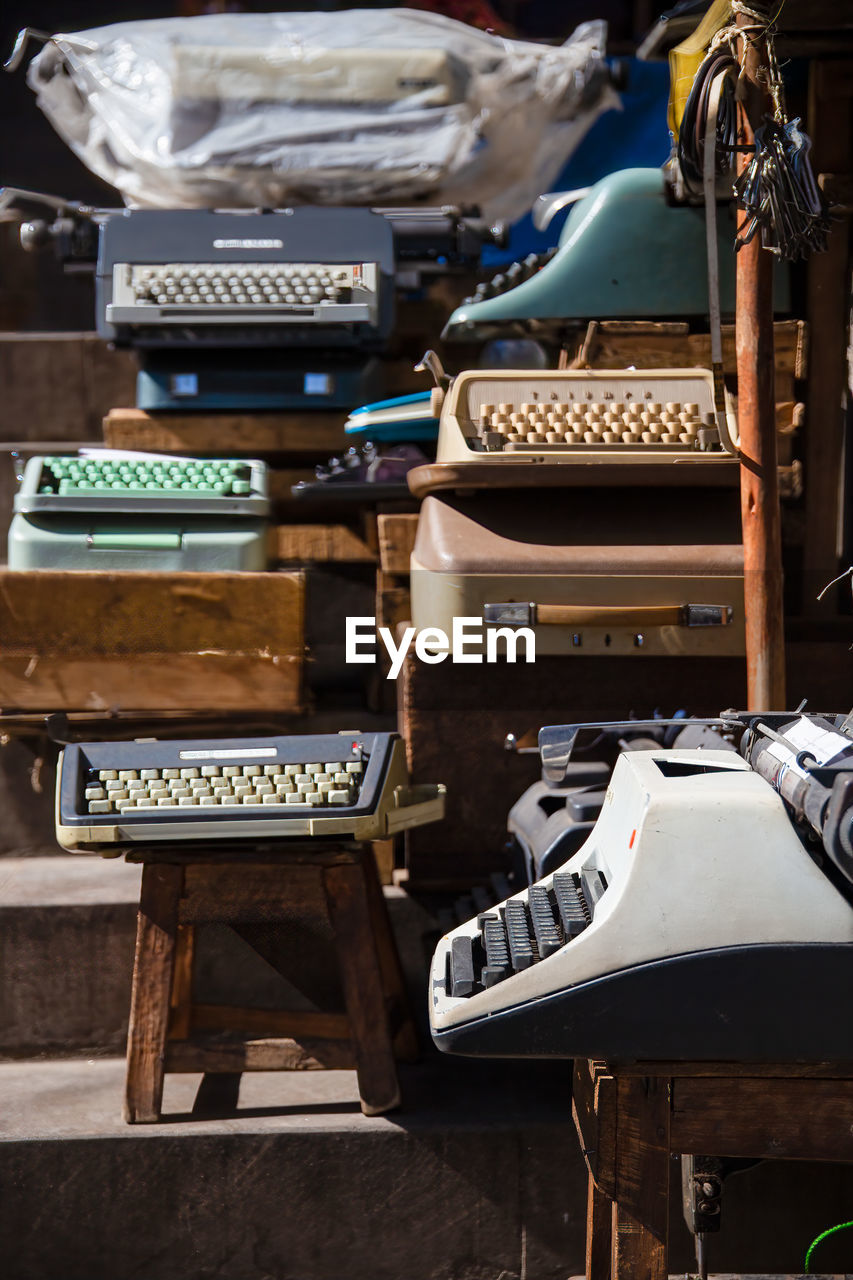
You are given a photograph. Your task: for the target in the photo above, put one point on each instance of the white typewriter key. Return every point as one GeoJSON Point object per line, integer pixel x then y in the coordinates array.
{"type": "Point", "coordinates": [273, 799]}
{"type": "Point", "coordinates": [313, 768]}
{"type": "Point", "coordinates": [285, 789]}
{"type": "Point", "coordinates": [653, 406]}
{"type": "Point", "coordinates": [515, 437]}
{"type": "Point", "coordinates": [96, 793]}
{"type": "Point", "coordinates": [535, 437]}
{"type": "Point", "coordinates": [336, 766]}
{"type": "Point", "coordinates": [180, 792]}
{"type": "Point", "coordinates": [243, 790]}
{"type": "Point", "coordinates": [127, 774]}
{"type": "Point", "coordinates": [99, 806]}
{"type": "Point", "coordinates": [325, 787]}
{"type": "Point", "coordinates": [673, 406]}
{"type": "Point", "coordinates": [338, 797]}
{"type": "Point", "coordinates": [232, 799]}
{"type": "Point", "coordinates": [115, 796]}
{"type": "Point", "coordinates": [554, 437]}
{"type": "Point", "coordinates": [186, 800]}
{"type": "Point", "coordinates": [631, 437]}
{"type": "Point", "coordinates": [252, 799]}
{"type": "Point", "coordinates": [270, 770]}
{"type": "Point", "coordinates": [211, 771]}
{"type": "Point", "coordinates": [279, 779]}
{"type": "Point", "coordinates": [158, 793]}
{"type": "Point", "coordinates": [343, 779]}
{"type": "Point", "coordinates": [295, 798]}
{"type": "Point", "coordinates": [486, 410]}
{"type": "Point", "coordinates": [231, 771]}
{"type": "Point", "coordinates": [302, 776]}
{"type": "Point", "coordinates": [315, 798]}
{"type": "Point", "coordinates": [189, 773]}
{"type": "Point", "coordinates": [304, 787]}
{"type": "Point", "coordinates": [164, 802]}
{"type": "Point", "coordinates": [145, 803]}
{"type": "Point", "coordinates": [354, 766]}
{"type": "Point", "coordinates": [292, 769]}
{"type": "Point", "coordinates": [107, 775]}
{"type": "Point", "coordinates": [207, 800]}
{"type": "Point", "coordinates": [170, 773]}
{"type": "Point", "coordinates": [265, 789]}
{"type": "Point", "coordinates": [669, 437]}
{"type": "Point", "coordinates": [574, 437]}
{"type": "Point", "coordinates": [251, 770]}
{"type": "Point", "coordinates": [611, 437]}
{"type": "Point", "coordinates": [591, 437]}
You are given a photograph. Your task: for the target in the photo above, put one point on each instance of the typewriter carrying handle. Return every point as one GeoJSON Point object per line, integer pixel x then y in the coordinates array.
{"type": "Point", "coordinates": [581, 615]}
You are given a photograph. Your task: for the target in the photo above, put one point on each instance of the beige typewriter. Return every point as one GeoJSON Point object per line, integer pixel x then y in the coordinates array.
{"type": "Point", "coordinates": [513, 419]}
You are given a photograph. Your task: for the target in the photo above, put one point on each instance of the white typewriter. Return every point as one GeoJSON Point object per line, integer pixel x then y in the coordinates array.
{"type": "Point", "coordinates": [345, 786]}
{"type": "Point", "coordinates": [584, 415]}
{"type": "Point", "coordinates": [696, 922]}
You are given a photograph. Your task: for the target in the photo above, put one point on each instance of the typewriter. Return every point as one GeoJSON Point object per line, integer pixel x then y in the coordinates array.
{"type": "Point", "coordinates": [626, 250]}
{"type": "Point", "coordinates": [139, 511]}
{"type": "Point", "coordinates": [402, 418]}
{"type": "Point", "coordinates": [347, 786]}
{"type": "Point", "coordinates": [708, 916]}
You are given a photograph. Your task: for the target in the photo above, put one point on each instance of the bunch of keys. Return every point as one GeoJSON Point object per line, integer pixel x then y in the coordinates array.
{"type": "Point", "coordinates": [779, 194]}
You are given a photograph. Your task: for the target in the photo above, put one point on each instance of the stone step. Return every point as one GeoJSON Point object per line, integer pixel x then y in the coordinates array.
{"type": "Point", "coordinates": [67, 930]}
{"type": "Point", "coordinates": [478, 1176]}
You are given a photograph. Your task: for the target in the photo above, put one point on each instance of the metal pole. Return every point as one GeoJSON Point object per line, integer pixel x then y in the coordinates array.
{"type": "Point", "coordinates": [759, 489]}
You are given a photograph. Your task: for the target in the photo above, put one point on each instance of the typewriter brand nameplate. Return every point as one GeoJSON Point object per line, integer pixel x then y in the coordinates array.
{"type": "Point", "coordinates": [256, 753]}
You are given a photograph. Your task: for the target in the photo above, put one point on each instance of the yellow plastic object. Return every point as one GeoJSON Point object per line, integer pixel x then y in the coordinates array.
{"type": "Point", "coordinates": [686, 58]}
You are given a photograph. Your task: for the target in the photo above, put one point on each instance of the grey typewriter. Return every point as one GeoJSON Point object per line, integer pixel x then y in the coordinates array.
{"type": "Point", "coordinates": [346, 786]}
{"type": "Point", "coordinates": [708, 915]}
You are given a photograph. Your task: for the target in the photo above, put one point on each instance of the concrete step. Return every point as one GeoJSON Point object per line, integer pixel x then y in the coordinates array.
{"type": "Point", "coordinates": [477, 1177]}
{"type": "Point", "coordinates": [67, 930]}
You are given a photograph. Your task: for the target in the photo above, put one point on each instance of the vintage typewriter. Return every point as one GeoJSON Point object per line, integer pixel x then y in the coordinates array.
{"type": "Point", "coordinates": [140, 511]}
{"type": "Point", "coordinates": [626, 250]}
{"type": "Point", "coordinates": [346, 786]}
{"type": "Point", "coordinates": [708, 916]}
{"type": "Point", "coordinates": [533, 422]}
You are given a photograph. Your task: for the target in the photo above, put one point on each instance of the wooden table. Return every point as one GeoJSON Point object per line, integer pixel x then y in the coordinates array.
{"type": "Point", "coordinates": [631, 1119]}
{"type": "Point", "coordinates": [336, 891]}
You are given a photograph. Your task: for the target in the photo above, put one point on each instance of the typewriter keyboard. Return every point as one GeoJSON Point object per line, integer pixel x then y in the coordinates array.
{"type": "Point", "coordinates": [275, 786]}
{"type": "Point", "coordinates": [132, 477]}
{"type": "Point", "coordinates": [243, 285]}
{"type": "Point", "coordinates": [548, 424]}
{"type": "Point", "coordinates": [519, 934]}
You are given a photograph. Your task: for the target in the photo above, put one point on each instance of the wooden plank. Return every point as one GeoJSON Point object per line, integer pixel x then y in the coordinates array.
{"type": "Point", "coordinates": [599, 1236]}
{"type": "Point", "coordinates": [232, 434]}
{"type": "Point", "coordinates": [319, 544]}
{"type": "Point", "coordinates": [247, 892]}
{"type": "Point", "coordinates": [295, 1024]}
{"type": "Point", "coordinates": [831, 131]}
{"type": "Point", "coordinates": [406, 1046]}
{"type": "Point", "coordinates": [641, 1207]}
{"type": "Point", "coordinates": [393, 599]}
{"type": "Point", "coordinates": [93, 641]}
{"type": "Point", "coordinates": [58, 386]}
{"type": "Point", "coordinates": [361, 976]}
{"type": "Point", "coordinates": [180, 1017]}
{"type": "Point", "coordinates": [735, 1070]}
{"type": "Point", "coordinates": [271, 1054]}
{"type": "Point", "coordinates": [396, 540]}
{"type": "Point", "coordinates": [804, 1119]}
{"type": "Point", "coordinates": [617, 344]}
{"type": "Point", "coordinates": [153, 969]}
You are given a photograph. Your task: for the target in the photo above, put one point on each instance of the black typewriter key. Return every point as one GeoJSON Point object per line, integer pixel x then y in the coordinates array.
{"type": "Point", "coordinates": [522, 946]}
{"type": "Point", "coordinates": [573, 918]}
{"type": "Point", "coordinates": [461, 966]}
{"type": "Point", "coordinates": [548, 938]}
{"type": "Point", "coordinates": [497, 965]}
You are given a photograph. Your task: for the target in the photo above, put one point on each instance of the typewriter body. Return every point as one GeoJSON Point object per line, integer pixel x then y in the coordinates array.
{"type": "Point", "coordinates": [626, 250]}
{"type": "Point", "coordinates": [137, 511]}
{"type": "Point", "coordinates": [347, 786]}
{"type": "Point", "coordinates": [696, 922]}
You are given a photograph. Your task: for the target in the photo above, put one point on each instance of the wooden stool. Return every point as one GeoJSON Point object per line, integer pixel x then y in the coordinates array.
{"type": "Point", "coordinates": [337, 888]}
{"type": "Point", "coordinates": [632, 1118]}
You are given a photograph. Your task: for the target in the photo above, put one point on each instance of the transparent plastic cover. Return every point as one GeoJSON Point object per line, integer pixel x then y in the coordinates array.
{"type": "Point", "coordinates": [358, 107]}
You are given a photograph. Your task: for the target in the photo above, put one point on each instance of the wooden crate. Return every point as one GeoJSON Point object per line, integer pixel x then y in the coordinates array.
{"type": "Point", "coordinates": [248, 435]}
{"type": "Point", "coordinates": [396, 532]}
{"type": "Point", "coordinates": [58, 386]}
{"type": "Point", "coordinates": [142, 642]}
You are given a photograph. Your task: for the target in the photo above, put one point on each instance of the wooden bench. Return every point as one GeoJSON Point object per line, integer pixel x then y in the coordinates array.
{"type": "Point", "coordinates": [277, 898]}
{"type": "Point", "coordinates": [631, 1120]}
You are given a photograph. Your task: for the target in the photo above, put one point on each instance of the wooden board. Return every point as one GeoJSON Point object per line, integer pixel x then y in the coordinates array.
{"type": "Point", "coordinates": [319, 544]}
{"type": "Point", "coordinates": [397, 534]}
{"type": "Point", "coordinates": [58, 386]}
{"type": "Point", "coordinates": [229, 434]}
{"type": "Point", "coordinates": [78, 641]}
{"type": "Point", "coordinates": [615, 344]}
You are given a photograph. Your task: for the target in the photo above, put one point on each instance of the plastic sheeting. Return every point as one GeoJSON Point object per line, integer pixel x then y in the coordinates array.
{"type": "Point", "coordinates": [357, 107]}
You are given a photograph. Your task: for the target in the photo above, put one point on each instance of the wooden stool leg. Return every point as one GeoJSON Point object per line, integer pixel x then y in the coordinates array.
{"type": "Point", "coordinates": [153, 970]}
{"type": "Point", "coordinates": [361, 977]}
{"type": "Point", "coordinates": [405, 1034]}
{"type": "Point", "coordinates": [598, 1234]}
{"type": "Point", "coordinates": [180, 1021]}
{"type": "Point", "coordinates": [641, 1206]}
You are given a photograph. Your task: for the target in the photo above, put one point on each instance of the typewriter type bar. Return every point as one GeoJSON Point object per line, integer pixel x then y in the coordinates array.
{"type": "Point", "coordinates": [582, 415]}
{"type": "Point", "coordinates": [691, 924]}
{"type": "Point", "coordinates": [351, 786]}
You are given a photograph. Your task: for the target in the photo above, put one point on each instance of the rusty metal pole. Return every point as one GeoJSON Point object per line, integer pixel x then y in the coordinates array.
{"type": "Point", "coordinates": [759, 486]}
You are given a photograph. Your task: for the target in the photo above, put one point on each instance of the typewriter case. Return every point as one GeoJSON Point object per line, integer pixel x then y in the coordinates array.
{"type": "Point", "coordinates": [594, 571]}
